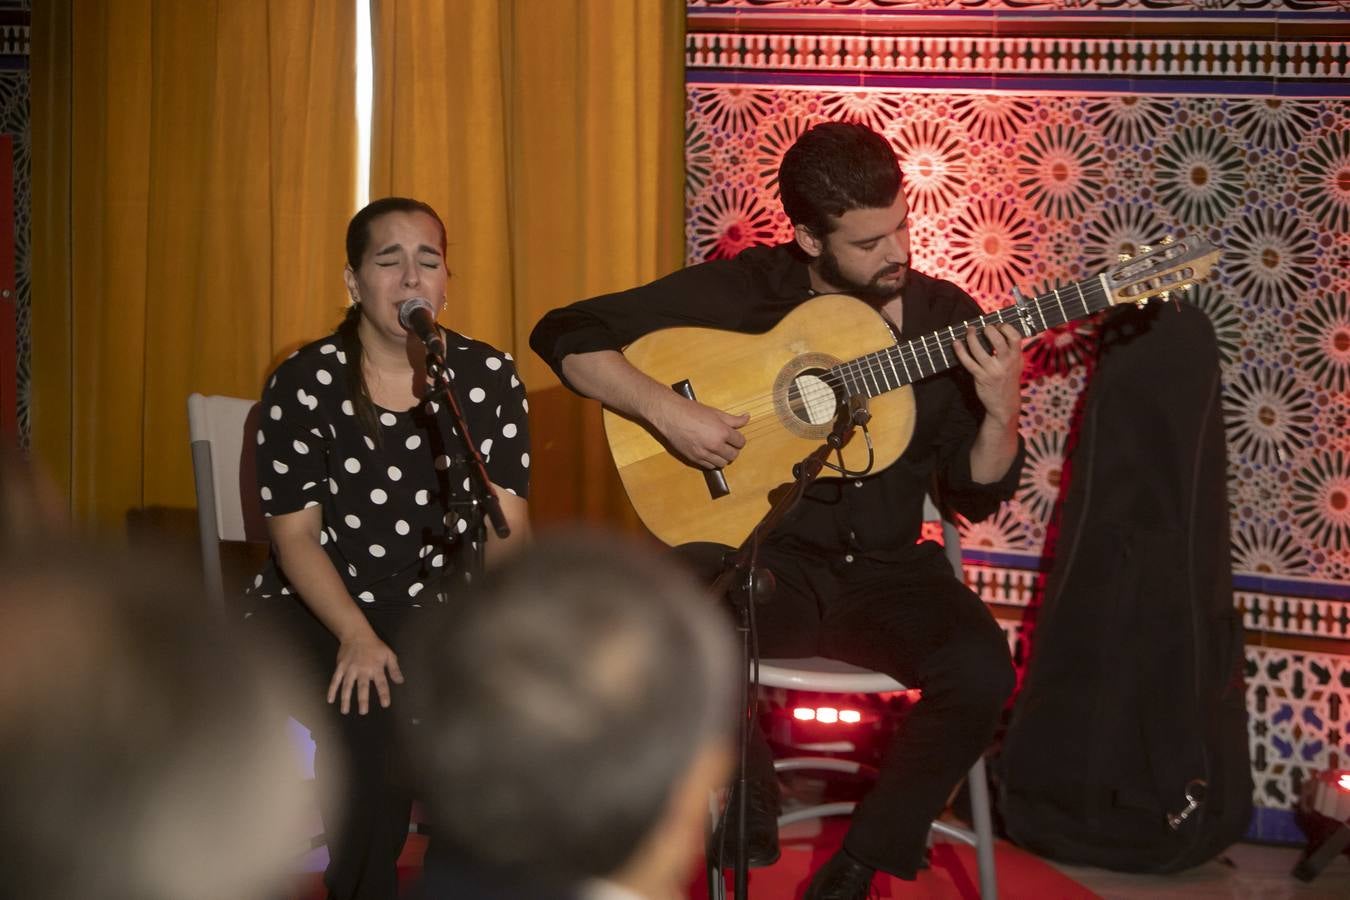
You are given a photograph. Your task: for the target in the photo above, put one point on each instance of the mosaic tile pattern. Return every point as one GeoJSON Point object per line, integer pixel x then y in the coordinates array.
{"type": "Point", "coordinates": [1297, 710]}
{"type": "Point", "coordinates": [1081, 153]}
{"type": "Point", "coordinates": [1021, 5]}
{"type": "Point", "coordinates": [1296, 702]}
{"type": "Point", "coordinates": [1035, 191]}
{"type": "Point", "coordinates": [1062, 58]}
{"type": "Point", "coordinates": [1005, 587]}
{"type": "Point", "coordinates": [1261, 612]}
{"type": "Point", "coordinates": [14, 116]}
{"type": "Point", "coordinates": [14, 92]}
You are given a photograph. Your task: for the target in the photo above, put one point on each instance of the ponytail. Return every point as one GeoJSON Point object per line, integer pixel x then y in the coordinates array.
{"type": "Point", "coordinates": [357, 391]}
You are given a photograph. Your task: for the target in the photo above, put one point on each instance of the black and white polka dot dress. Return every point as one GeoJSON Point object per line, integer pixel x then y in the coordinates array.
{"type": "Point", "coordinates": [392, 507]}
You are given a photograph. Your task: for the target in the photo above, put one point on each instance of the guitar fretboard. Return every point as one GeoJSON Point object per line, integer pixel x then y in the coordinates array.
{"type": "Point", "coordinates": [902, 364]}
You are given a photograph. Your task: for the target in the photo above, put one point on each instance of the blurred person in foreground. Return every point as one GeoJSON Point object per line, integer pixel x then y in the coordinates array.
{"type": "Point", "coordinates": [575, 713]}
{"type": "Point", "coordinates": [139, 744]}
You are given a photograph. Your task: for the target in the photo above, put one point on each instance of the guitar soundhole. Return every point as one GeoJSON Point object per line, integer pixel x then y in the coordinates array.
{"type": "Point", "coordinates": [811, 399]}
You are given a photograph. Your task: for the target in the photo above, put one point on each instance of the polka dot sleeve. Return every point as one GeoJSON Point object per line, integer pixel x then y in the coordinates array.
{"type": "Point", "coordinates": [497, 413]}
{"type": "Point", "coordinates": [291, 442]}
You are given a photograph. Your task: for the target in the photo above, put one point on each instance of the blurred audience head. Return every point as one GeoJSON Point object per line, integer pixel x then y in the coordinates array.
{"type": "Point", "coordinates": [143, 751]}
{"type": "Point", "coordinates": [576, 709]}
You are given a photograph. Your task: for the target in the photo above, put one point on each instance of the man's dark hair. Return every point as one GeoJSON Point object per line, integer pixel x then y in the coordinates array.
{"type": "Point", "coordinates": [560, 703]}
{"type": "Point", "coordinates": [833, 168]}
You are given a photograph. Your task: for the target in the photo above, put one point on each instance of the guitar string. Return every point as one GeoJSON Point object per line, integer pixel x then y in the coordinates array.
{"type": "Point", "coordinates": [867, 372]}
{"type": "Point", "coordinates": [871, 365]}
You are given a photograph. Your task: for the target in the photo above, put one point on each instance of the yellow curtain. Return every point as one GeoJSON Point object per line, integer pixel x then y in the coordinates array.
{"type": "Point", "coordinates": [201, 173]}
{"type": "Point", "coordinates": [549, 135]}
{"type": "Point", "coordinates": [438, 135]}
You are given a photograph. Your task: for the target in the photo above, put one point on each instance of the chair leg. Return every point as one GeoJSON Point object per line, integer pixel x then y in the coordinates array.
{"type": "Point", "coordinates": [984, 830]}
{"type": "Point", "coordinates": [717, 884]}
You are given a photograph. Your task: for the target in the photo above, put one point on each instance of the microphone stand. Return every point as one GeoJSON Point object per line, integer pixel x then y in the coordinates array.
{"type": "Point", "coordinates": [747, 584]}
{"type": "Point", "coordinates": [484, 506]}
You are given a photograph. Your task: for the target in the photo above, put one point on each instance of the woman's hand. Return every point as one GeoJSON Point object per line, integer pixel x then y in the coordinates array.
{"type": "Point", "coordinates": [361, 662]}
{"type": "Point", "coordinates": [362, 658]}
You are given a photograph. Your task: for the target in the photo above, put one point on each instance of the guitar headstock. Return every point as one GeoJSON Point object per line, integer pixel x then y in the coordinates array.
{"type": "Point", "coordinates": [1173, 265]}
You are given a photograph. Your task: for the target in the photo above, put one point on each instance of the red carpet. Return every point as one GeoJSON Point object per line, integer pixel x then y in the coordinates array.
{"type": "Point", "coordinates": [953, 875]}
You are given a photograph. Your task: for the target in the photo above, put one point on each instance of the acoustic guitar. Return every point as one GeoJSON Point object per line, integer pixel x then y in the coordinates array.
{"type": "Point", "coordinates": [830, 354]}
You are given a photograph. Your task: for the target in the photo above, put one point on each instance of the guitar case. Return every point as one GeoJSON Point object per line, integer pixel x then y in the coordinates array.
{"type": "Point", "coordinates": [1134, 698]}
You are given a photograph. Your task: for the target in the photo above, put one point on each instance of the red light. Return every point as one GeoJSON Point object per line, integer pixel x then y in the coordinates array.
{"type": "Point", "coordinates": [1344, 782]}
{"type": "Point", "coordinates": [827, 715]}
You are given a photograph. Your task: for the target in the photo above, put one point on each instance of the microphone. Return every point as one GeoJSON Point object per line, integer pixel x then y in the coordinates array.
{"type": "Point", "coordinates": [419, 316]}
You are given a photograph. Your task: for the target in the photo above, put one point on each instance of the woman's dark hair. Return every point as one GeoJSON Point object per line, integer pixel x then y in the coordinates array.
{"type": "Point", "coordinates": [358, 241]}
{"type": "Point", "coordinates": [358, 229]}
{"type": "Point", "coordinates": [833, 168]}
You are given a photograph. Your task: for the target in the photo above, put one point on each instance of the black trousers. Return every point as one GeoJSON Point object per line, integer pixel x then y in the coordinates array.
{"type": "Point", "coordinates": [915, 622]}
{"type": "Point", "coordinates": [359, 765]}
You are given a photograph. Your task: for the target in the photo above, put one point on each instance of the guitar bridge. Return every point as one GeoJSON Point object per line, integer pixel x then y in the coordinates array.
{"type": "Point", "coordinates": [716, 479]}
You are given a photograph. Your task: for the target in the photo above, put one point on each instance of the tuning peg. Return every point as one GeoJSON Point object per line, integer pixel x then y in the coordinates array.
{"type": "Point", "coordinates": [1145, 248]}
{"type": "Point", "coordinates": [1141, 302]}
{"type": "Point", "coordinates": [1168, 239]}
{"type": "Point", "coordinates": [1186, 288]}
{"type": "Point", "coordinates": [1165, 295]}
{"type": "Point", "coordinates": [1123, 257]}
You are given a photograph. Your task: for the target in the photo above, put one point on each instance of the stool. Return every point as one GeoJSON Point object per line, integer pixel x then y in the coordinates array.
{"type": "Point", "coordinates": [830, 676]}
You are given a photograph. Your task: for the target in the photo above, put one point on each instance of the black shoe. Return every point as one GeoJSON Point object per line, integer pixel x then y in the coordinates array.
{"type": "Point", "coordinates": [841, 878]}
{"type": "Point", "coordinates": [761, 826]}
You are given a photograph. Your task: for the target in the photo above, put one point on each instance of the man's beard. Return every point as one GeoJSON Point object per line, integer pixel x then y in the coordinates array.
{"type": "Point", "coordinates": [873, 291]}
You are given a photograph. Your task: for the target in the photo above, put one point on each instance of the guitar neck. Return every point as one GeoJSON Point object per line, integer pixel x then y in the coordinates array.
{"type": "Point", "coordinates": [902, 364]}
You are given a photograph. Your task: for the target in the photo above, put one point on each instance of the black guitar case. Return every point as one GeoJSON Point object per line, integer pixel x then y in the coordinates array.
{"type": "Point", "coordinates": [1133, 703]}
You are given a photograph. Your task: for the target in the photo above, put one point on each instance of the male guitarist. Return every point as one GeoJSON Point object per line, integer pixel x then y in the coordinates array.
{"type": "Point", "coordinates": [852, 583]}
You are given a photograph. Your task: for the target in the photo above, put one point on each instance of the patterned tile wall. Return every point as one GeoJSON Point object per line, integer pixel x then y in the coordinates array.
{"type": "Point", "coordinates": [1037, 191]}
{"type": "Point", "coordinates": [1033, 153]}
{"type": "Point", "coordinates": [1023, 5]}
{"type": "Point", "coordinates": [14, 92]}
{"type": "Point", "coordinates": [1297, 710]}
{"type": "Point", "coordinates": [14, 115]}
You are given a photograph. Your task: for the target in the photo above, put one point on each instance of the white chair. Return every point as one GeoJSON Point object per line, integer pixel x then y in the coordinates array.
{"type": "Point", "coordinates": [228, 508]}
{"type": "Point", "coordinates": [224, 453]}
{"type": "Point", "coordinates": [829, 676]}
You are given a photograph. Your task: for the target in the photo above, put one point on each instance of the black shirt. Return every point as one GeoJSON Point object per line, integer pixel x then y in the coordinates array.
{"type": "Point", "coordinates": [875, 517]}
